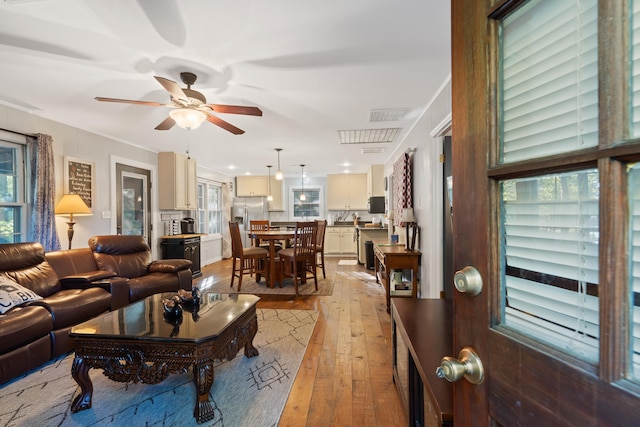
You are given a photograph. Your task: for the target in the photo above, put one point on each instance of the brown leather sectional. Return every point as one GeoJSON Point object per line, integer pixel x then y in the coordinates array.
{"type": "Point", "coordinates": [75, 285]}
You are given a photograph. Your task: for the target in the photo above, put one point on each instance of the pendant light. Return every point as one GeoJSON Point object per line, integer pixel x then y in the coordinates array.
{"type": "Point", "coordinates": [303, 197]}
{"type": "Point", "coordinates": [279, 171]}
{"type": "Point", "coordinates": [269, 196]}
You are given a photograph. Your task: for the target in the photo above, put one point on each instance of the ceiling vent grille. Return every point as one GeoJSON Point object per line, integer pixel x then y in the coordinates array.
{"type": "Point", "coordinates": [368, 136]}
{"type": "Point", "coordinates": [377, 150]}
{"type": "Point", "coordinates": [387, 114]}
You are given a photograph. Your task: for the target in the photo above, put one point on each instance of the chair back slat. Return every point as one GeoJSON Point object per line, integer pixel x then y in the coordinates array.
{"type": "Point", "coordinates": [305, 239]}
{"type": "Point", "coordinates": [322, 227]}
{"type": "Point", "coordinates": [236, 239]}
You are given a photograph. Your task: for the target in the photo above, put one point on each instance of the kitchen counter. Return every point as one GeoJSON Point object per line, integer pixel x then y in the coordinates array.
{"type": "Point", "coordinates": [182, 236]}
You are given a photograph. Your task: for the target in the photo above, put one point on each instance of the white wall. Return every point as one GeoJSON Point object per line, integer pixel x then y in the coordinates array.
{"type": "Point", "coordinates": [427, 188]}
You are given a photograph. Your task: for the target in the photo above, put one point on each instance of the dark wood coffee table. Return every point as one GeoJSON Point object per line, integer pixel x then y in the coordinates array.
{"type": "Point", "coordinates": [136, 344]}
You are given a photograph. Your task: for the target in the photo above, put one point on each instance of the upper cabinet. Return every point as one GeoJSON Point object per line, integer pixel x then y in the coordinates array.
{"type": "Point", "coordinates": [257, 186]}
{"type": "Point", "coordinates": [347, 192]}
{"type": "Point", "coordinates": [178, 181]}
{"type": "Point", "coordinates": [251, 186]}
{"type": "Point", "coordinates": [375, 181]}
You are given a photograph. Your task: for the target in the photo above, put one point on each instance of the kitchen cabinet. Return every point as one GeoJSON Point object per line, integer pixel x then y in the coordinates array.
{"type": "Point", "coordinates": [340, 240]}
{"type": "Point", "coordinates": [375, 181]}
{"type": "Point", "coordinates": [183, 247]}
{"type": "Point", "coordinates": [258, 186]}
{"type": "Point", "coordinates": [177, 175]}
{"type": "Point", "coordinates": [251, 186]}
{"type": "Point", "coordinates": [277, 204]}
{"type": "Point", "coordinates": [347, 192]}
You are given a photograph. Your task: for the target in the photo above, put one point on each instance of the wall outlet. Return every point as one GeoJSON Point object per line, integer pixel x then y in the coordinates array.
{"type": "Point", "coordinates": [106, 214]}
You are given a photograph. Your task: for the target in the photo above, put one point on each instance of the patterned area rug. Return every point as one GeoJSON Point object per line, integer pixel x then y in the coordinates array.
{"type": "Point", "coordinates": [245, 392]}
{"type": "Point", "coordinates": [249, 286]}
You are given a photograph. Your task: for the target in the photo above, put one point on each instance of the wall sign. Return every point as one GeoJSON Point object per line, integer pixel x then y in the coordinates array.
{"type": "Point", "coordinates": [79, 178]}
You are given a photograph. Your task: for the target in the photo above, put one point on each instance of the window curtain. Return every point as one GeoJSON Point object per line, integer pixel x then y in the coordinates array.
{"type": "Point", "coordinates": [42, 192]}
{"type": "Point", "coordinates": [402, 186]}
{"type": "Point", "coordinates": [226, 217]}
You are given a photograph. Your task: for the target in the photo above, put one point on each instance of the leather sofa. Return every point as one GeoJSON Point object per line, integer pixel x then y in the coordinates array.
{"type": "Point", "coordinates": [75, 285]}
{"type": "Point", "coordinates": [130, 256]}
{"type": "Point", "coordinates": [37, 331]}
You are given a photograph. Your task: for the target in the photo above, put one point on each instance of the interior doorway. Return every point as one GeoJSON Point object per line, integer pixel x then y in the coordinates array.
{"type": "Point", "coordinates": [447, 219]}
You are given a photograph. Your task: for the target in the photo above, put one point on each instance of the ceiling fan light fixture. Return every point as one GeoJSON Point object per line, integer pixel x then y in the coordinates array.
{"type": "Point", "coordinates": [188, 118]}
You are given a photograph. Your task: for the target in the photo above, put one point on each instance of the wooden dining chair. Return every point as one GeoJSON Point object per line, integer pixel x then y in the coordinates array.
{"type": "Point", "coordinates": [250, 259]}
{"type": "Point", "coordinates": [300, 259]}
{"type": "Point", "coordinates": [322, 228]}
{"type": "Point", "coordinates": [262, 225]}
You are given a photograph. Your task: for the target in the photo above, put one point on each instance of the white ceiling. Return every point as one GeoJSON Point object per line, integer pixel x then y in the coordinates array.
{"type": "Point", "coordinates": [312, 67]}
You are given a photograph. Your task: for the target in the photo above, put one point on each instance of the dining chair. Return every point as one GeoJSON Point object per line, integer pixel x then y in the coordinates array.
{"type": "Point", "coordinates": [300, 258]}
{"type": "Point", "coordinates": [251, 259]}
{"type": "Point", "coordinates": [322, 228]}
{"type": "Point", "coordinates": [262, 225]}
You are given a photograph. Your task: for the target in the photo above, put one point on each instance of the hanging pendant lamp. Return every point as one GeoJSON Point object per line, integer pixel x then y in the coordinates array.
{"type": "Point", "coordinates": [279, 171]}
{"type": "Point", "coordinates": [269, 196]}
{"type": "Point", "coordinates": [303, 197]}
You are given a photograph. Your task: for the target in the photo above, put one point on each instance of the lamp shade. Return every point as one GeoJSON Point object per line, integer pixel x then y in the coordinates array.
{"type": "Point", "coordinates": [407, 216]}
{"type": "Point", "coordinates": [188, 118]}
{"type": "Point", "coordinates": [72, 204]}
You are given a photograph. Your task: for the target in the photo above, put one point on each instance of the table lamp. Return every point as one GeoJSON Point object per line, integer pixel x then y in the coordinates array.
{"type": "Point", "coordinates": [409, 220]}
{"type": "Point", "coordinates": [72, 204]}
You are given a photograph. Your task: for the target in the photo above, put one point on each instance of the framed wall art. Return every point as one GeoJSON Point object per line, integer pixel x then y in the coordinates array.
{"type": "Point", "coordinates": [79, 178]}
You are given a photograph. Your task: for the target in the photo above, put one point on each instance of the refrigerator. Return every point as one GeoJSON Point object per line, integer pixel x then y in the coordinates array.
{"type": "Point", "coordinates": [244, 209]}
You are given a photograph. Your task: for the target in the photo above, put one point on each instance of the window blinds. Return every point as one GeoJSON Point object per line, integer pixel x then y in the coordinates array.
{"type": "Point", "coordinates": [549, 79]}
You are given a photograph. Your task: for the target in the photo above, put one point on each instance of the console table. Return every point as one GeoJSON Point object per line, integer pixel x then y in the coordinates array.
{"type": "Point", "coordinates": [390, 257]}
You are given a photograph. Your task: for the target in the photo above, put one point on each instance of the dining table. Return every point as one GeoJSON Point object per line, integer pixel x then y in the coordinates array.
{"type": "Point", "coordinates": [272, 236]}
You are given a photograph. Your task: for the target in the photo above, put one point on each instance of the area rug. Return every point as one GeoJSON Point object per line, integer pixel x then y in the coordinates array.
{"type": "Point", "coordinates": [245, 392]}
{"type": "Point", "coordinates": [249, 286]}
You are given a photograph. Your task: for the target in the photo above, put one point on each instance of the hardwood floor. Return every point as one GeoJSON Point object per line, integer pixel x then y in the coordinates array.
{"type": "Point", "coordinates": [345, 378]}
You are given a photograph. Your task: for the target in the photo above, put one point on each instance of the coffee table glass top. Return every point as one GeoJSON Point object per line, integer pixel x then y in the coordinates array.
{"type": "Point", "coordinates": [145, 319]}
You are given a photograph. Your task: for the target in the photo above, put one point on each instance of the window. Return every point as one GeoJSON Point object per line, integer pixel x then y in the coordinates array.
{"type": "Point", "coordinates": [310, 209]}
{"type": "Point", "coordinates": [12, 193]}
{"type": "Point", "coordinates": [549, 224]}
{"type": "Point", "coordinates": [209, 207]}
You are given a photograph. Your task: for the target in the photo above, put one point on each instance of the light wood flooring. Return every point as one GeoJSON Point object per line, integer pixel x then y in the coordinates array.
{"type": "Point", "coordinates": [345, 378]}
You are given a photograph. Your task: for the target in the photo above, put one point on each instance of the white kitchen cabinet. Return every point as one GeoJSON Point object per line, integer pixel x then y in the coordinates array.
{"type": "Point", "coordinates": [375, 181]}
{"type": "Point", "coordinates": [339, 240]}
{"type": "Point", "coordinates": [347, 192]}
{"type": "Point", "coordinates": [177, 177]}
{"type": "Point", "coordinates": [277, 204]}
{"type": "Point", "coordinates": [251, 186]}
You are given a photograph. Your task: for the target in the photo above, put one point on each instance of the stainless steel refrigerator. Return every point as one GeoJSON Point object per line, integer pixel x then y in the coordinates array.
{"type": "Point", "coordinates": [245, 209]}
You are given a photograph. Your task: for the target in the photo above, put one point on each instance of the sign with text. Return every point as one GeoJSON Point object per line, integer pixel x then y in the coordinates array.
{"type": "Point", "coordinates": [79, 179]}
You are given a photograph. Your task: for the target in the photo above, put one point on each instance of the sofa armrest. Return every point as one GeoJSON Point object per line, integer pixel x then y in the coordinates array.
{"type": "Point", "coordinates": [118, 287]}
{"type": "Point", "coordinates": [169, 265]}
{"type": "Point", "coordinates": [86, 278]}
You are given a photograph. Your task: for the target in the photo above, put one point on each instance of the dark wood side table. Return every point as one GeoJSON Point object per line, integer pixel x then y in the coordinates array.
{"type": "Point", "coordinates": [422, 334]}
{"type": "Point", "coordinates": [136, 344]}
{"type": "Point", "coordinates": [390, 257]}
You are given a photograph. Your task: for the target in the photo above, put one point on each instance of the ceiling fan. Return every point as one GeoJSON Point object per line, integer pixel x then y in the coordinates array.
{"type": "Point", "coordinates": [190, 107]}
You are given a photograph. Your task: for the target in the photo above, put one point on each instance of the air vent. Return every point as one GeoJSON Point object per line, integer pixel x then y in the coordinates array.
{"type": "Point", "coordinates": [367, 136]}
{"type": "Point", "coordinates": [378, 150]}
{"type": "Point", "coordinates": [387, 114]}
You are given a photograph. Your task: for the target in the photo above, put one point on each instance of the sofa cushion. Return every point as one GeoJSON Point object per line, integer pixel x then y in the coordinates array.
{"type": "Point", "coordinates": [13, 295]}
{"type": "Point", "coordinates": [127, 256]}
{"type": "Point", "coordinates": [71, 306]}
{"type": "Point", "coordinates": [25, 263]}
{"type": "Point", "coordinates": [152, 283]}
{"type": "Point", "coordinates": [23, 325]}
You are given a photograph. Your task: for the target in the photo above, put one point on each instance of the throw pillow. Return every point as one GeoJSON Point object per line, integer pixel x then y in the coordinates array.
{"type": "Point", "coordinates": [12, 294]}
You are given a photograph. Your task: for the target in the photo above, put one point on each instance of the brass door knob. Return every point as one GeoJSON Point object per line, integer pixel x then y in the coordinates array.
{"type": "Point", "coordinates": [468, 365]}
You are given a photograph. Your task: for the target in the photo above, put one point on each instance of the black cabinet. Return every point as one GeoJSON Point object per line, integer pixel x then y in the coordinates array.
{"type": "Point", "coordinates": [183, 247]}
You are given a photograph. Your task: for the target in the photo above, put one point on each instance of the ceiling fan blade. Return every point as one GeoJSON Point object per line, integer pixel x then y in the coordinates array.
{"type": "Point", "coordinates": [235, 109]}
{"type": "Point", "coordinates": [173, 88]}
{"type": "Point", "coordinates": [224, 125]}
{"type": "Point", "coordinates": [166, 124]}
{"type": "Point", "coordinates": [130, 101]}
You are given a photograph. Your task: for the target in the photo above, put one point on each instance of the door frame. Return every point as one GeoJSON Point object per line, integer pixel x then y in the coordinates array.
{"type": "Point", "coordinates": [154, 213]}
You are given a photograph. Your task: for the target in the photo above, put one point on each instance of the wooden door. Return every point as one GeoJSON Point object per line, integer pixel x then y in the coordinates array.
{"type": "Point", "coordinates": [529, 381]}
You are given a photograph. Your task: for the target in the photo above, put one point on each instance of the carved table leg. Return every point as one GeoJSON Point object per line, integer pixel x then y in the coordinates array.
{"type": "Point", "coordinates": [203, 378]}
{"type": "Point", "coordinates": [80, 373]}
{"type": "Point", "coordinates": [249, 349]}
